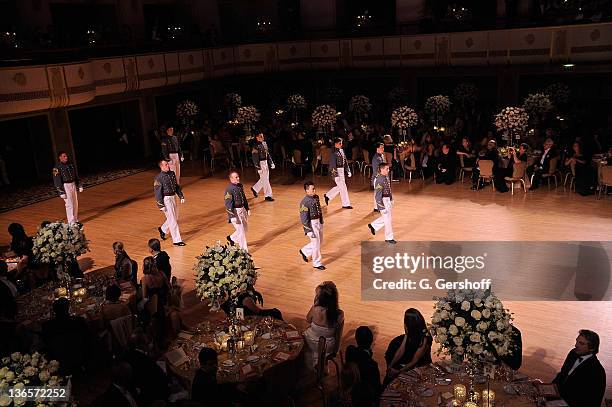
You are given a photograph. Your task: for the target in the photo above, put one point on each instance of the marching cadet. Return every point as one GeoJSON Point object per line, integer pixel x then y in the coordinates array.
{"type": "Point", "coordinates": [312, 221]}
{"type": "Point", "coordinates": [379, 157]}
{"type": "Point", "coordinates": [263, 163]}
{"type": "Point", "coordinates": [171, 152]}
{"type": "Point", "coordinates": [384, 202]}
{"type": "Point", "coordinates": [237, 209]}
{"type": "Point", "coordinates": [166, 187]}
{"type": "Point", "coordinates": [66, 181]}
{"type": "Point", "coordinates": [338, 167]}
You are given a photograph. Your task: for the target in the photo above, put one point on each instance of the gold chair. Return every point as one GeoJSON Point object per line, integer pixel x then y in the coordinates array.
{"type": "Point", "coordinates": [552, 172]}
{"type": "Point", "coordinates": [412, 167]}
{"type": "Point", "coordinates": [571, 176]}
{"type": "Point", "coordinates": [605, 180]}
{"type": "Point", "coordinates": [486, 172]}
{"type": "Point", "coordinates": [463, 170]}
{"type": "Point", "coordinates": [366, 162]}
{"type": "Point", "coordinates": [325, 154]}
{"type": "Point", "coordinates": [518, 175]}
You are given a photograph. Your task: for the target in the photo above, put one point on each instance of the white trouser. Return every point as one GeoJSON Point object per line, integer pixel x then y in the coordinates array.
{"type": "Point", "coordinates": [264, 179]}
{"type": "Point", "coordinates": [171, 223]}
{"type": "Point", "coordinates": [175, 166]}
{"type": "Point", "coordinates": [374, 185]}
{"type": "Point", "coordinates": [241, 225]}
{"type": "Point", "coordinates": [340, 188]}
{"type": "Point", "coordinates": [385, 219]}
{"type": "Point", "coordinates": [316, 240]}
{"type": "Point", "coordinates": [71, 202]}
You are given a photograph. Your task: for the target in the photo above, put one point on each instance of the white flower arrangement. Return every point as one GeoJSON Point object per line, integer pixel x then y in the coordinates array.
{"type": "Point", "coordinates": [20, 370]}
{"type": "Point", "coordinates": [233, 99]}
{"type": "Point", "coordinates": [296, 102]}
{"type": "Point", "coordinates": [537, 103]}
{"type": "Point", "coordinates": [247, 115]}
{"type": "Point", "coordinates": [187, 108]}
{"type": "Point", "coordinates": [324, 115]}
{"type": "Point", "coordinates": [472, 324]}
{"type": "Point", "coordinates": [59, 243]}
{"type": "Point", "coordinates": [465, 94]}
{"type": "Point", "coordinates": [512, 119]}
{"type": "Point", "coordinates": [223, 272]}
{"type": "Point", "coordinates": [437, 106]}
{"type": "Point", "coordinates": [359, 104]}
{"type": "Point", "coordinates": [558, 93]}
{"type": "Point", "coordinates": [404, 117]}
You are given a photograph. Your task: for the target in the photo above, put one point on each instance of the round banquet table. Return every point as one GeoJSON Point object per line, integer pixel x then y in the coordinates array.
{"type": "Point", "coordinates": [428, 385]}
{"type": "Point", "coordinates": [271, 347]}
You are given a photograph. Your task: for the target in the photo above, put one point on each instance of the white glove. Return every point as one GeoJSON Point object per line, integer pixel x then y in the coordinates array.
{"type": "Point", "coordinates": [63, 196]}
{"type": "Point", "coordinates": [182, 200]}
{"type": "Point", "coordinates": [273, 166]}
{"type": "Point", "coordinates": [443, 170]}
{"type": "Point", "coordinates": [163, 209]}
{"type": "Point", "coordinates": [310, 234]}
{"type": "Point", "coordinates": [182, 159]}
{"type": "Point", "coordinates": [249, 212]}
{"type": "Point", "coordinates": [80, 189]}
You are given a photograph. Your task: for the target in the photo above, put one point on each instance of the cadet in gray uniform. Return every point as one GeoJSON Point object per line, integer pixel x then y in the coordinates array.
{"type": "Point", "coordinates": [312, 221]}
{"type": "Point", "coordinates": [237, 208]}
{"type": "Point", "coordinates": [263, 164]}
{"type": "Point", "coordinates": [379, 157]}
{"type": "Point", "coordinates": [66, 181]}
{"type": "Point", "coordinates": [338, 167]}
{"type": "Point", "coordinates": [171, 152]}
{"type": "Point", "coordinates": [166, 187]}
{"type": "Point", "coordinates": [384, 202]}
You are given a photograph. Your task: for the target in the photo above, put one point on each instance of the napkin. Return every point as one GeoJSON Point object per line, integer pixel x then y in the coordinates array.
{"type": "Point", "coordinates": [266, 336]}
{"type": "Point", "coordinates": [177, 357]}
{"type": "Point", "coordinates": [247, 370]}
{"type": "Point", "coordinates": [281, 356]}
{"type": "Point", "coordinates": [293, 335]}
{"type": "Point", "coordinates": [185, 335]}
{"type": "Point", "coordinates": [447, 395]}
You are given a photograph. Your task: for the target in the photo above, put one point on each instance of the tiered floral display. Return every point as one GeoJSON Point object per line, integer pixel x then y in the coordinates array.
{"type": "Point", "coordinates": [513, 120]}
{"type": "Point", "coordinates": [404, 118]}
{"type": "Point", "coordinates": [247, 115]}
{"type": "Point", "coordinates": [537, 104]}
{"type": "Point", "coordinates": [187, 109]}
{"type": "Point", "coordinates": [437, 107]}
{"type": "Point", "coordinates": [324, 116]}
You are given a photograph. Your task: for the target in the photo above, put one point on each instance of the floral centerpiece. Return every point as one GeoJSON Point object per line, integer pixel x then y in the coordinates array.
{"type": "Point", "coordinates": [465, 95]}
{"type": "Point", "coordinates": [537, 104]}
{"type": "Point", "coordinates": [404, 117]}
{"type": "Point", "coordinates": [296, 102]}
{"type": "Point", "coordinates": [20, 370]}
{"type": "Point", "coordinates": [324, 115]}
{"type": "Point", "coordinates": [359, 104]}
{"type": "Point", "coordinates": [558, 93]}
{"type": "Point", "coordinates": [513, 120]}
{"type": "Point", "coordinates": [247, 115]}
{"type": "Point", "coordinates": [187, 108]}
{"type": "Point", "coordinates": [60, 243]}
{"type": "Point", "coordinates": [472, 324]}
{"type": "Point", "coordinates": [437, 107]}
{"type": "Point", "coordinates": [223, 272]}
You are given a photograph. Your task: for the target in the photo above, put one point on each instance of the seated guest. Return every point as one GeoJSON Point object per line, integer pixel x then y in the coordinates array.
{"type": "Point", "coordinates": [205, 389]}
{"type": "Point", "coordinates": [466, 153]}
{"type": "Point", "coordinates": [582, 379]}
{"type": "Point", "coordinates": [391, 149]}
{"type": "Point", "coordinates": [67, 338]}
{"type": "Point", "coordinates": [248, 301]}
{"type": "Point", "coordinates": [154, 282]}
{"type": "Point", "coordinates": [6, 284]}
{"type": "Point", "coordinates": [149, 378]}
{"type": "Point", "coordinates": [428, 160]}
{"type": "Point", "coordinates": [121, 392]}
{"type": "Point", "coordinates": [446, 168]}
{"type": "Point", "coordinates": [516, 158]}
{"type": "Point", "coordinates": [582, 170]}
{"type": "Point", "coordinates": [349, 379]}
{"type": "Point", "coordinates": [21, 246]}
{"type": "Point", "coordinates": [162, 260]}
{"type": "Point", "coordinates": [490, 153]}
{"type": "Point", "coordinates": [361, 355]}
{"type": "Point", "coordinates": [326, 319]}
{"type": "Point", "coordinates": [514, 359]}
{"type": "Point", "coordinates": [410, 350]}
{"type": "Point", "coordinates": [543, 165]}
{"type": "Point", "coordinates": [123, 264]}
{"type": "Point", "coordinates": [113, 308]}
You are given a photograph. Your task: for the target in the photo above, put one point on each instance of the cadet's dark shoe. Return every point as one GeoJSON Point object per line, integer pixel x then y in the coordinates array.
{"type": "Point", "coordinates": [304, 256]}
{"type": "Point", "coordinates": [372, 229]}
{"type": "Point", "coordinates": [161, 233]}
{"type": "Point", "coordinates": [229, 239]}
{"type": "Point", "coordinates": [179, 244]}
{"type": "Point", "coordinates": [269, 198]}
{"type": "Point", "coordinates": [320, 267]}
{"type": "Point", "coordinates": [391, 241]}
{"type": "Point", "coordinates": [376, 210]}
{"type": "Point", "coordinates": [326, 199]}
{"type": "Point", "coordinates": [347, 207]}
{"type": "Point", "coordinates": [254, 193]}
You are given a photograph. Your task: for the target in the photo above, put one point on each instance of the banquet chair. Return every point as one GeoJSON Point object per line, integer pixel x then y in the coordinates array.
{"type": "Point", "coordinates": [286, 158]}
{"type": "Point", "coordinates": [389, 160]}
{"type": "Point", "coordinates": [325, 154]}
{"type": "Point", "coordinates": [412, 167]}
{"type": "Point", "coordinates": [354, 161]}
{"type": "Point", "coordinates": [320, 368]}
{"type": "Point", "coordinates": [121, 329]}
{"type": "Point", "coordinates": [605, 180]}
{"type": "Point", "coordinates": [366, 162]}
{"type": "Point", "coordinates": [571, 177]}
{"type": "Point", "coordinates": [280, 382]}
{"type": "Point", "coordinates": [217, 153]}
{"type": "Point", "coordinates": [518, 175]}
{"type": "Point", "coordinates": [297, 161]}
{"type": "Point", "coordinates": [486, 172]}
{"type": "Point", "coordinates": [335, 352]}
{"type": "Point", "coordinates": [552, 172]}
{"type": "Point", "coordinates": [464, 170]}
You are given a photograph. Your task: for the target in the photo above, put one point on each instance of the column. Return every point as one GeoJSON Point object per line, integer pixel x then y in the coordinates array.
{"type": "Point", "coordinates": [130, 16]}
{"type": "Point", "coordinates": [61, 134]}
{"type": "Point", "coordinates": [148, 121]}
{"type": "Point", "coordinates": [318, 14]}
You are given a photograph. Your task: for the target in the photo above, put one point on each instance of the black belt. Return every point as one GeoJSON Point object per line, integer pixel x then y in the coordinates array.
{"type": "Point", "coordinates": [317, 218]}
{"type": "Point", "coordinates": [237, 207]}
{"type": "Point", "coordinates": [172, 194]}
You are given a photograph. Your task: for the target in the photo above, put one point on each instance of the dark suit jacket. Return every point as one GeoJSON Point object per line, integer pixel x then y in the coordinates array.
{"type": "Point", "coordinates": [586, 385]}
{"type": "Point", "coordinates": [368, 367]}
{"type": "Point", "coordinates": [113, 397]}
{"type": "Point", "coordinates": [148, 377]}
{"type": "Point", "coordinates": [162, 261]}
{"type": "Point", "coordinates": [546, 165]}
{"type": "Point", "coordinates": [68, 341]}
{"type": "Point", "coordinates": [206, 391]}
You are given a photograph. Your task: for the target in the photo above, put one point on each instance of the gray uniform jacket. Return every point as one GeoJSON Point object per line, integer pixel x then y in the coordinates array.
{"type": "Point", "coordinates": [260, 153]}
{"type": "Point", "coordinates": [376, 161]}
{"type": "Point", "coordinates": [337, 159]}
{"type": "Point", "coordinates": [310, 208]}
{"type": "Point", "coordinates": [170, 145]}
{"type": "Point", "coordinates": [234, 198]}
{"type": "Point", "coordinates": [165, 185]}
{"type": "Point", "coordinates": [65, 174]}
{"type": "Point", "coordinates": [382, 189]}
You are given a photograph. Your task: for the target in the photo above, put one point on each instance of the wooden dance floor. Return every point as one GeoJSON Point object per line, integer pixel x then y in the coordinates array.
{"type": "Point", "coordinates": [125, 210]}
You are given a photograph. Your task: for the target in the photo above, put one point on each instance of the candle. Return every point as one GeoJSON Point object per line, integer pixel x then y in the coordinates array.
{"type": "Point", "coordinates": [488, 398]}
{"type": "Point", "coordinates": [249, 338]}
{"type": "Point", "coordinates": [460, 392]}
{"type": "Point", "coordinates": [240, 345]}
{"type": "Point", "coordinates": [455, 403]}
{"type": "Point", "coordinates": [62, 292]}
{"type": "Point", "coordinates": [470, 404]}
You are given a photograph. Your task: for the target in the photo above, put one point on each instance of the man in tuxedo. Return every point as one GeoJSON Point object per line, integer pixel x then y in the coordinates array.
{"type": "Point", "coordinates": [205, 389]}
{"type": "Point", "coordinates": [582, 379]}
{"type": "Point", "coordinates": [361, 355]}
{"type": "Point", "coordinates": [447, 167]}
{"type": "Point", "coordinates": [542, 166]}
{"type": "Point", "coordinates": [162, 260]}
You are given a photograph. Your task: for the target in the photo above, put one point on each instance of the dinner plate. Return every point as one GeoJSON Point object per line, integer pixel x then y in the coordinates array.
{"type": "Point", "coordinates": [228, 363]}
{"type": "Point", "coordinates": [253, 359]}
{"type": "Point", "coordinates": [271, 346]}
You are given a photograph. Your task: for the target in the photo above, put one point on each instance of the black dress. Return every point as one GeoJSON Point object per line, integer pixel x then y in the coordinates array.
{"type": "Point", "coordinates": [272, 312]}
{"type": "Point", "coordinates": [409, 352]}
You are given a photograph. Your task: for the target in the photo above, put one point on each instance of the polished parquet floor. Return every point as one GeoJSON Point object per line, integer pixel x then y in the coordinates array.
{"type": "Point", "coordinates": [125, 210]}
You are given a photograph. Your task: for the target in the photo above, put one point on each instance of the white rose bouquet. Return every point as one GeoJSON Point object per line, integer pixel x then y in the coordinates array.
{"type": "Point", "coordinates": [512, 119]}
{"type": "Point", "coordinates": [296, 102]}
{"type": "Point", "coordinates": [233, 99]}
{"type": "Point", "coordinates": [324, 115]}
{"type": "Point", "coordinates": [472, 324]}
{"type": "Point", "coordinates": [247, 115]}
{"type": "Point", "coordinates": [223, 272]}
{"type": "Point", "coordinates": [537, 103]}
{"type": "Point", "coordinates": [59, 243]}
{"type": "Point", "coordinates": [187, 108]}
{"type": "Point", "coordinates": [359, 104]}
{"type": "Point", "coordinates": [404, 117]}
{"type": "Point", "coordinates": [437, 106]}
